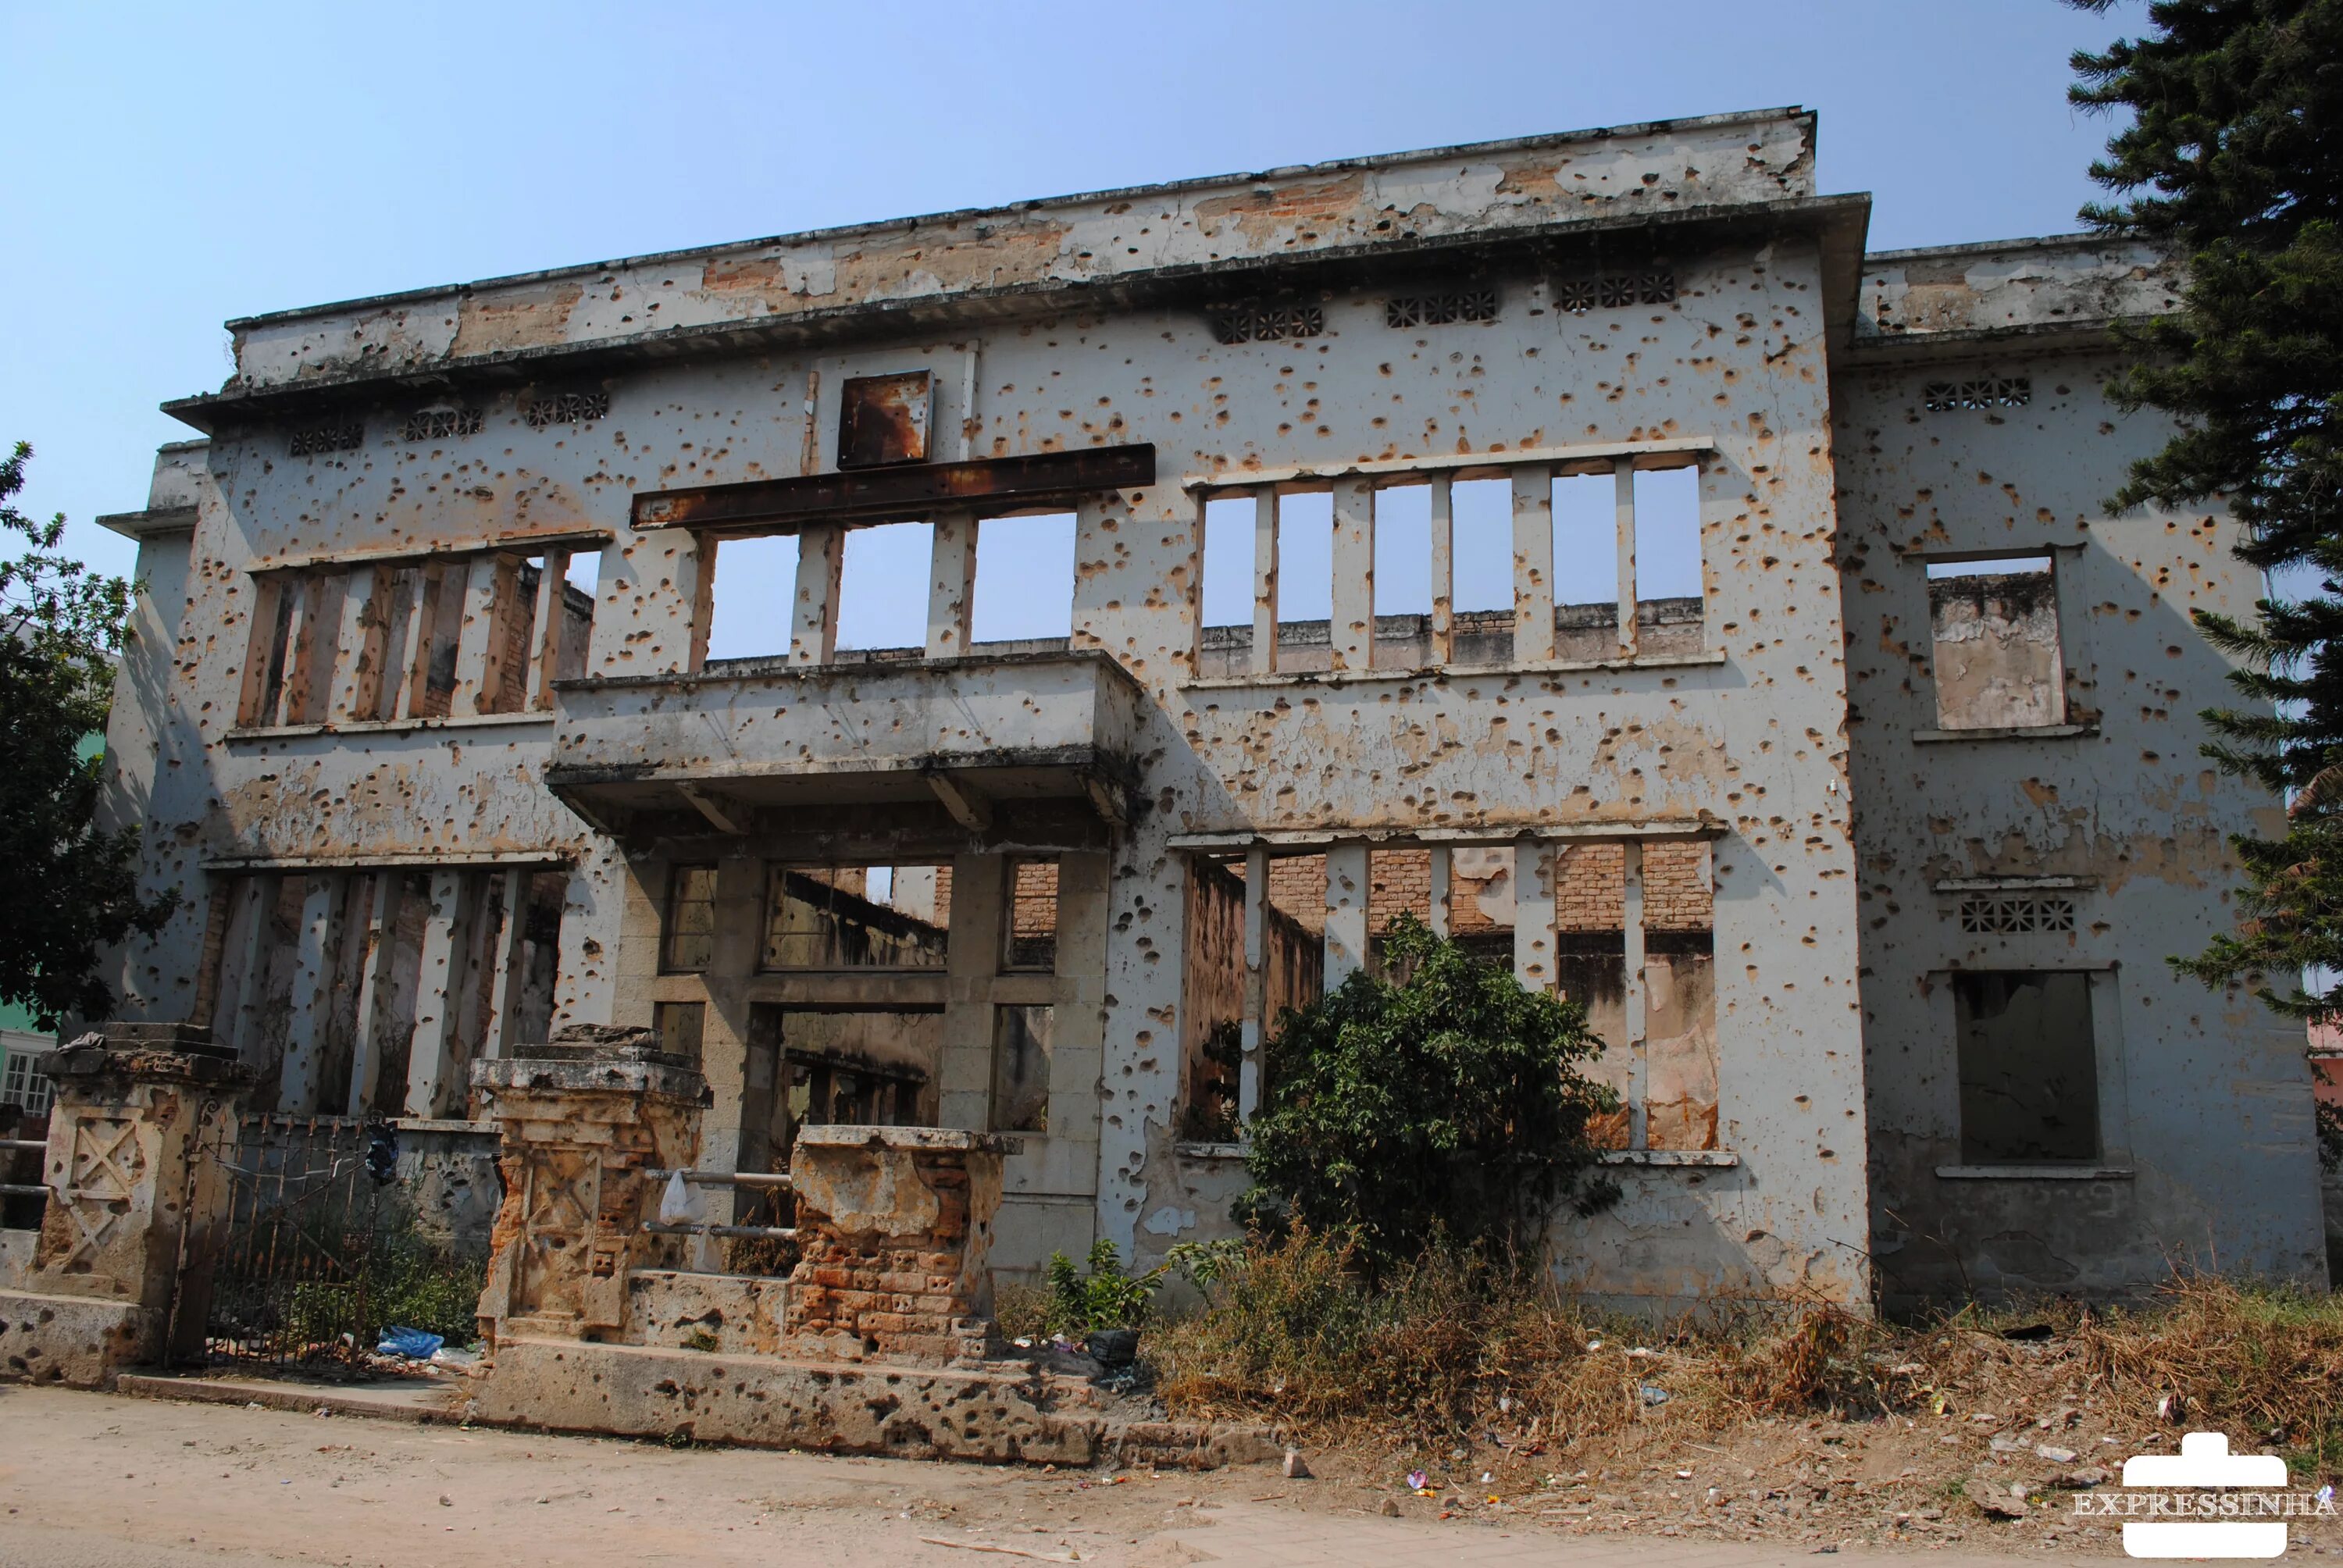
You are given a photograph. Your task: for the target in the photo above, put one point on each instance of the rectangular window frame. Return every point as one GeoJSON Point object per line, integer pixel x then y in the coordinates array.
{"type": "Point", "coordinates": [1352, 627]}
{"type": "Point", "coordinates": [2115, 1162]}
{"type": "Point", "coordinates": [2065, 567]}
{"type": "Point", "coordinates": [673, 903]}
{"type": "Point", "coordinates": [775, 870]}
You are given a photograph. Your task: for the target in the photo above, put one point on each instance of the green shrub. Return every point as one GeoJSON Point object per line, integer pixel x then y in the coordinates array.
{"type": "Point", "coordinates": [1448, 1104]}
{"type": "Point", "coordinates": [1107, 1298]}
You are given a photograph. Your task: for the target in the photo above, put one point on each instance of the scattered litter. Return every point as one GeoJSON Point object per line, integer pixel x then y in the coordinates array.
{"type": "Point", "coordinates": [1684, 1475]}
{"type": "Point", "coordinates": [1295, 1468]}
{"type": "Point", "coordinates": [1655, 1394]}
{"type": "Point", "coordinates": [2054, 1454]}
{"type": "Point", "coordinates": [1995, 1503]}
{"type": "Point", "coordinates": [413, 1343]}
{"type": "Point", "coordinates": [1415, 1480]}
{"type": "Point", "coordinates": [1640, 1353]}
{"type": "Point", "coordinates": [2173, 1408]}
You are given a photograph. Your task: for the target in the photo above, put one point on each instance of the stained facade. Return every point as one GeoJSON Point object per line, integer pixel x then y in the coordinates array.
{"type": "Point", "coordinates": [1577, 542]}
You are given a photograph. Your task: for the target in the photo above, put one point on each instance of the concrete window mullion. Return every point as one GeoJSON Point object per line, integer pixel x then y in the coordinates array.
{"type": "Point", "coordinates": [1443, 570]}
{"type": "Point", "coordinates": [1264, 582]}
{"type": "Point", "coordinates": [1533, 488]}
{"type": "Point", "coordinates": [813, 626]}
{"type": "Point", "coordinates": [1623, 482]}
{"type": "Point", "coordinates": [1248, 1026]}
{"type": "Point", "coordinates": [1351, 601]}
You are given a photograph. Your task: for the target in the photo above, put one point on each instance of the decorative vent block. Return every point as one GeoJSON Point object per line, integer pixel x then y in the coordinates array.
{"type": "Point", "coordinates": [1653, 286]}
{"type": "Point", "coordinates": [1440, 309]}
{"type": "Point", "coordinates": [2015, 914]}
{"type": "Point", "coordinates": [565, 408]}
{"type": "Point", "coordinates": [1984, 392]}
{"type": "Point", "coordinates": [441, 424]}
{"type": "Point", "coordinates": [317, 438]}
{"type": "Point", "coordinates": [1258, 321]}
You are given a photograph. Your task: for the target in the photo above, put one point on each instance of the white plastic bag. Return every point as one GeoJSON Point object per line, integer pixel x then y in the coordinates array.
{"type": "Point", "coordinates": [680, 1204]}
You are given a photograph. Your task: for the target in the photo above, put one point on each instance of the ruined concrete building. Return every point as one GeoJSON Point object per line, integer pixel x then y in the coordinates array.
{"type": "Point", "coordinates": [1578, 542]}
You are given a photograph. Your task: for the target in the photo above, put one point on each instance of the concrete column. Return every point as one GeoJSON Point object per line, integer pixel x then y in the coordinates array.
{"type": "Point", "coordinates": [375, 980]}
{"type": "Point", "coordinates": [653, 617]}
{"type": "Point", "coordinates": [583, 1117]}
{"type": "Point", "coordinates": [1078, 1023]}
{"type": "Point", "coordinates": [1353, 633]}
{"type": "Point", "coordinates": [293, 682]}
{"type": "Point", "coordinates": [952, 584]}
{"type": "Point", "coordinates": [1444, 571]}
{"type": "Point", "coordinates": [137, 1191]}
{"type": "Point", "coordinates": [491, 580]}
{"type": "Point", "coordinates": [1256, 982]}
{"type": "Point", "coordinates": [1533, 564]}
{"type": "Point", "coordinates": [1638, 996]}
{"type": "Point", "coordinates": [1534, 923]}
{"type": "Point", "coordinates": [1346, 912]}
{"type": "Point", "coordinates": [408, 642]}
{"type": "Point", "coordinates": [358, 647]}
{"type": "Point", "coordinates": [431, 1080]}
{"type": "Point", "coordinates": [254, 945]}
{"type": "Point", "coordinates": [505, 979]}
{"type": "Point", "coordinates": [1443, 881]}
{"type": "Point", "coordinates": [312, 998]}
{"type": "Point", "coordinates": [964, 1076]}
{"type": "Point", "coordinates": [547, 624]}
{"type": "Point", "coordinates": [1264, 581]}
{"type": "Point", "coordinates": [1623, 502]}
{"type": "Point", "coordinates": [821, 565]}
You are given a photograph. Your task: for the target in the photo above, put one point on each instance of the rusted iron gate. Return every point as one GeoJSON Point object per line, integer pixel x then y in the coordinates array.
{"type": "Point", "coordinates": [294, 1266]}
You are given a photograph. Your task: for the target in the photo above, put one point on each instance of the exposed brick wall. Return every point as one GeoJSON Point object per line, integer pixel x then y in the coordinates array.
{"type": "Point", "coordinates": [1033, 901]}
{"type": "Point", "coordinates": [903, 1297]}
{"type": "Point", "coordinates": [1297, 885]}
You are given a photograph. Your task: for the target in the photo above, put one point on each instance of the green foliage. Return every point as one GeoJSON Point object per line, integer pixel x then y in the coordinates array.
{"type": "Point", "coordinates": [1210, 1116]}
{"type": "Point", "coordinates": [1108, 1297]}
{"type": "Point", "coordinates": [1447, 1105]}
{"type": "Point", "coordinates": [1207, 1262]}
{"type": "Point", "coordinates": [78, 888]}
{"type": "Point", "coordinates": [2234, 157]}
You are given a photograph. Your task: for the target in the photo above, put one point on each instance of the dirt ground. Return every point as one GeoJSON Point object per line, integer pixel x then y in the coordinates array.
{"type": "Point", "coordinates": [97, 1478]}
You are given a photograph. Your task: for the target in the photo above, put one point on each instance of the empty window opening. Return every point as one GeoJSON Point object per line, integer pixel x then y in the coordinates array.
{"type": "Point", "coordinates": [1305, 580]}
{"type": "Point", "coordinates": [1399, 882]}
{"type": "Point", "coordinates": [855, 1067]}
{"type": "Point", "coordinates": [1213, 984]}
{"type": "Point", "coordinates": [1679, 998]}
{"type": "Point", "coordinates": [688, 936]}
{"type": "Point", "coordinates": [858, 917]}
{"type": "Point", "coordinates": [2029, 1074]}
{"type": "Point", "coordinates": [1030, 926]}
{"type": "Point", "coordinates": [1586, 546]}
{"type": "Point", "coordinates": [680, 1025]}
{"type": "Point", "coordinates": [1225, 596]}
{"type": "Point", "coordinates": [753, 588]}
{"type": "Point", "coordinates": [1678, 1051]}
{"type": "Point", "coordinates": [1483, 520]}
{"type": "Point", "coordinates": [1211, 1002]}
{"type": "Point", "coordinates": [882, 596]}
{"type": "Point", "coordinates": [1024, 579]}
{"type": "Point", "coordinates": [581, 585]}
{"type": "Point", "coordinates": [1994, 631]}
{"type": "Point", "coordinates": [1403, 577]}
{"type": "Point", "coordinates": [441, 635]}
{"type": "Point", "coordinates": [294, 637]}
{"type": "Point", "coordinates": [1668, 587]}
{"type": "Point", "coordinates": [1021, 1069]}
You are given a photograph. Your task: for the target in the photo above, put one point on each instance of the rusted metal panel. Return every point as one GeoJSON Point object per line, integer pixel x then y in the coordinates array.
{"type": "Point", "coordinates": [883, 420]}
{"type": "Point", "coordinates": [908, 491]}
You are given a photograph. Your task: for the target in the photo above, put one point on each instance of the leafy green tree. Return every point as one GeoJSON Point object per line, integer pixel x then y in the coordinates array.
{"type": "Point", "coordinates": [1447, 1106]}
{"type": "Point", "coordinates": [73, 891]}
{"type": "Point", "coordinates": [2234, 158]}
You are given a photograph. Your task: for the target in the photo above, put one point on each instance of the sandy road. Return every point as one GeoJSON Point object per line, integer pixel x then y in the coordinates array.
{"type": "Point", "coordinates": [91, 1481]}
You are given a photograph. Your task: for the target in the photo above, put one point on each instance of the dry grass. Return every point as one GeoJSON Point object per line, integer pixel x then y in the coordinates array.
{"type": "Point", "coordinates": [1459, 1346]}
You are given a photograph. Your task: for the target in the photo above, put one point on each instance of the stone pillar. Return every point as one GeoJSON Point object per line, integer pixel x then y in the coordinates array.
{"type": "Point", "coordinates": [894, 1225]}
{"type": "Point", "coordinates": [144, 1114]}
{"type": "Point", "coordinates": [582, 1118]}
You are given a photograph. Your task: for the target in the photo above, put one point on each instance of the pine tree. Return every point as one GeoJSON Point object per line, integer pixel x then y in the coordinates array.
{"type": "Point", "coordinates": [2234, 159]}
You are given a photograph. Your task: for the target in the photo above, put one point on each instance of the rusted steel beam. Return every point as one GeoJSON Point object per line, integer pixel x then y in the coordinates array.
{"type": "Point", "coordinates": [908, 490]}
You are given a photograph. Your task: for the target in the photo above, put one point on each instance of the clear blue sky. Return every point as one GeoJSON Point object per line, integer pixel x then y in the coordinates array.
{"type": "Point", "coordinates": [169, 168]}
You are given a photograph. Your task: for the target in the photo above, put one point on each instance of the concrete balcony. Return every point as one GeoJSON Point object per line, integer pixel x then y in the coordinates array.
{"type": "Point", "coordinates": [750, 737]}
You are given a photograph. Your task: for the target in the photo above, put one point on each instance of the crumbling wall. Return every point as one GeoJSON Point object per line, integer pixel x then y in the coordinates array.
{"type": "Point", "coordinates": [2099, 848]}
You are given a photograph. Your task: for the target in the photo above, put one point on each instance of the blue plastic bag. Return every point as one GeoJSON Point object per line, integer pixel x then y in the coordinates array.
{"type": "Point", "coordinates": [412, 1343]}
